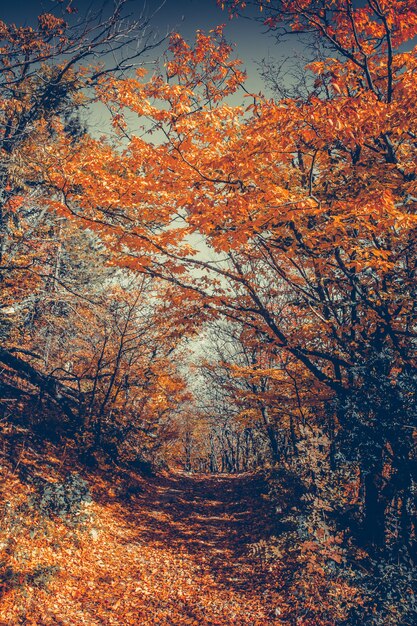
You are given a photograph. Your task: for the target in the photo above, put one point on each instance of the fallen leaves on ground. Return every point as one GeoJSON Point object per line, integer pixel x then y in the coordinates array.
{"type": "Point", "coordinates": [176, 553]}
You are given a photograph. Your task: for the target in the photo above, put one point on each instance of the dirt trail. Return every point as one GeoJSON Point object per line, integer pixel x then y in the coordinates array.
{"type": "Point", "coordinates": [195, 532]}
{"type": "Point", "coordinates": [165, 551]}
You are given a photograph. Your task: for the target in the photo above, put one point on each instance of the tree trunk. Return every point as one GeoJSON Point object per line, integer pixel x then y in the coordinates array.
{"type": "Point", "coordinates": [374, 507]}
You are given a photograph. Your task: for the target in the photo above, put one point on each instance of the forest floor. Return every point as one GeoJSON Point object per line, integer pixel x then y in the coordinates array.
{"type": "Point", "coordinates": [167, 550]}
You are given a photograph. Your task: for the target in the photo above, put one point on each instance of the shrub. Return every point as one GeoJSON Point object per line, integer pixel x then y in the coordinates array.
{"type": "Point", "coordinates": [62, 499]}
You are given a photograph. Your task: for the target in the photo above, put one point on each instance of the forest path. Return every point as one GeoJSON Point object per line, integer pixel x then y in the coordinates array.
{"type": "Point", "coordinates": [183, 544]}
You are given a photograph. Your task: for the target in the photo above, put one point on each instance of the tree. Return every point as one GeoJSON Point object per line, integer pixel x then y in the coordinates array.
{"type": "Point", "coordinates": [48, 75]}
{"type": "Point", "coordinates": [313, 197]}
{"type": "Point", "coordinates": [56, 277]}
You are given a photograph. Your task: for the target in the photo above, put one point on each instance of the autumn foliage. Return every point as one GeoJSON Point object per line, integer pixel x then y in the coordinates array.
{"type": "Point", "coordinates": [232, 286]}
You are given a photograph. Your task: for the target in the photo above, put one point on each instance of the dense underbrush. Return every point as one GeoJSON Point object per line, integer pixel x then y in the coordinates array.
{"type": "Point", "coordinates": [329, 579]}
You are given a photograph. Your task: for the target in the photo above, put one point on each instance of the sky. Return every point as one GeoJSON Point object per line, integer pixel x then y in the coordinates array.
{"type": "Point", "coordinates": [183, 16]}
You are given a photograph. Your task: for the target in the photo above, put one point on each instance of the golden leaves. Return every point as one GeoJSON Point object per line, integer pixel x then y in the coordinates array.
{"type": "Point", "coordinates": [49, 22]}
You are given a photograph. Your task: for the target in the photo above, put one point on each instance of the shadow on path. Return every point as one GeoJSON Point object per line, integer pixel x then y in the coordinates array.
{"type": "Point", "coordinates": [212, 518]}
